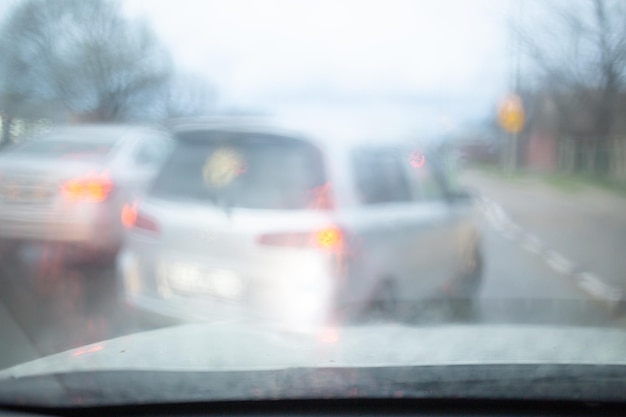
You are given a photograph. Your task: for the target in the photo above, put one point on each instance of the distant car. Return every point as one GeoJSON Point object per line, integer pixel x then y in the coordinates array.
{"type": "Point", "coordinates": [290, 227]}
{"type": "Point", "coordinates": [69, 186]}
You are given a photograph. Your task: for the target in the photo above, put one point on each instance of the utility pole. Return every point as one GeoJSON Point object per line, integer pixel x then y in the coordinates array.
{"type": "Point", "coordinates": [516, 84]}
{"type": "Point", "coordinates": [511, 113]}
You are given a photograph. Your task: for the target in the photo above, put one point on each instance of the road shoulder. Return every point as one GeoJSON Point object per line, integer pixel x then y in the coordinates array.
{"type": "Point", "coordinates": [577, 236]}
{"type": "Point", "coordinates": [15, 347]}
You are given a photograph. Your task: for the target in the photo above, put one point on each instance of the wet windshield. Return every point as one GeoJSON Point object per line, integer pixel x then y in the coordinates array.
{"type": "Point", "coordinates": [246, 171]}
{"type": "Point", "coordinates": [244, 199]}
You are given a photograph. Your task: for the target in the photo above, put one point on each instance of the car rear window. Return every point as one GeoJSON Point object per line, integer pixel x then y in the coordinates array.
{"type": "Point", "coordinates": [62, 147]}
{"type": "Point", "coordinates": [245, 171]}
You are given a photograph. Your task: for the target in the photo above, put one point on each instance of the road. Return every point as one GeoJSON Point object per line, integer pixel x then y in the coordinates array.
{"type": "Point", "coordinates": [586, 224]}
{"type": "Point", "coordinates": [519, 287]}
{"type": "Point", "coordinates": [46, 308]}
{"type": "Point", "coordinates": [51, 308]}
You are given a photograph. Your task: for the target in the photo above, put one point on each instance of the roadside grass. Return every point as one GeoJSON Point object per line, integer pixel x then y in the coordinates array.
{"type": "Point", "coordinates": [499, 173]}
{"type": "Point", "coordinates": [574, 183]}
{"type": "Point", "coordinates": [566, 183]}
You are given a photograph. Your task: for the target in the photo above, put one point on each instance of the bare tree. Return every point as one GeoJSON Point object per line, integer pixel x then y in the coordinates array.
{"type": "Point", "coordinates": [577, 51]}
{"type": "Point", "coordinates": [188, 95]}
{"type": "Point", "coordinates": [82, 55]}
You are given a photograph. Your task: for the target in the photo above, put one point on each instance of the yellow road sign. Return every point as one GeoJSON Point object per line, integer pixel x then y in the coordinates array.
{"type": "Point", "coordinates": [511, 115]}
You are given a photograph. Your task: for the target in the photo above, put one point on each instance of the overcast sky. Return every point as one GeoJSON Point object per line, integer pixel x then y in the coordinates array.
{"type": "Point", "coordinates": [418, 60]}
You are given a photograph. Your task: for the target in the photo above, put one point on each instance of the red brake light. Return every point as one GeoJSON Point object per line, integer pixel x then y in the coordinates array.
{"type": "Point", "coordinates": [88, 188]}
{"type": "Point", "coordinates": [132, 218]}
{"type": "Point", "coordinates": [129, 215]}
{"type": "Point", "coordinates": [330, 238]}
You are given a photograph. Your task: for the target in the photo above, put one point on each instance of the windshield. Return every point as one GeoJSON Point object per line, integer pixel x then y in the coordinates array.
{"type": "Point", "coordinates": [207, 200]}
{"type": "Point", "coordinates": [246, 171]}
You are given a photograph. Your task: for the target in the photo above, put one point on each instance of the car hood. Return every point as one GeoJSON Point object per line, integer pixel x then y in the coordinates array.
{"type": "Point", "coordinates": [242, 347]}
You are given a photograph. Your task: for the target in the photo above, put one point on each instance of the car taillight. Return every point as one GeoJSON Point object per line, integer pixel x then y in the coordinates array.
{"type": "Point", "coordinates": [129, 215]}
{"type": "Point", "coordinates": [330, 238]}
{"type": "Point", "coordinates": [134, 219]}
{"type": "Point", "coordinates": [91, 187]}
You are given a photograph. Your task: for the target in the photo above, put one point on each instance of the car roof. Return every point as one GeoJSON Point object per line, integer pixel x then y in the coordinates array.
{"type": "Point", "coordinates": [93, 132]}
{"type": "Point", "coordinates": [335, 137]}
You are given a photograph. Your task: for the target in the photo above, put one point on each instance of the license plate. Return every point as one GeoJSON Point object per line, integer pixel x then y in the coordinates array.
{"type": "Point", "coordinates": [192, 280]}
{"type": "Point", "coordinates": [17, 194]}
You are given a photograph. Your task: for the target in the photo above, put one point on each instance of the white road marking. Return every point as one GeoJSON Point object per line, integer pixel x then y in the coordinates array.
{"type": "Point", "coordinates": [512, 229]}
{"type": "Point", "coordinates": [515, 227]}
{"type": "Point", "coordinates": [499, 212]}
{"type": "Point", "coordinates": [497, 227]}
{"type": "Point", "coordinates": [532, 244]}
{"type": "Point", "coordinates": [559, 263]}
{"type": "Point", "coordinates": [597, 287]}
{"type": "Point", "coordinates": [508, 234]}
{"type": "Point", "coordinates": [591, 284]}
{"type": "Point", "coordinates": [492, 218]}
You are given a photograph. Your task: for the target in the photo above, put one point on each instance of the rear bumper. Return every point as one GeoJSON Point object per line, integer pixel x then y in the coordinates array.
{"type": "Point", "coordinates": [93, 228]}
{"type": "Point", "coordinates": [290, 307]}
{"type": "Point", "coordinates": [185, 309]}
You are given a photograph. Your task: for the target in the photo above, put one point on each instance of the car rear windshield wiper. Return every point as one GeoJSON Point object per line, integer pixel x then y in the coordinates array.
{"type": "Point", "coordinates": [220, 200]}
{"type": "Point", "coordinates": [225, 204]}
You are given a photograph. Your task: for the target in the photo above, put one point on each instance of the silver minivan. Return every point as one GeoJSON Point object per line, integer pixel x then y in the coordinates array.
{"type": "Point", "coordinates": [247, 222]}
